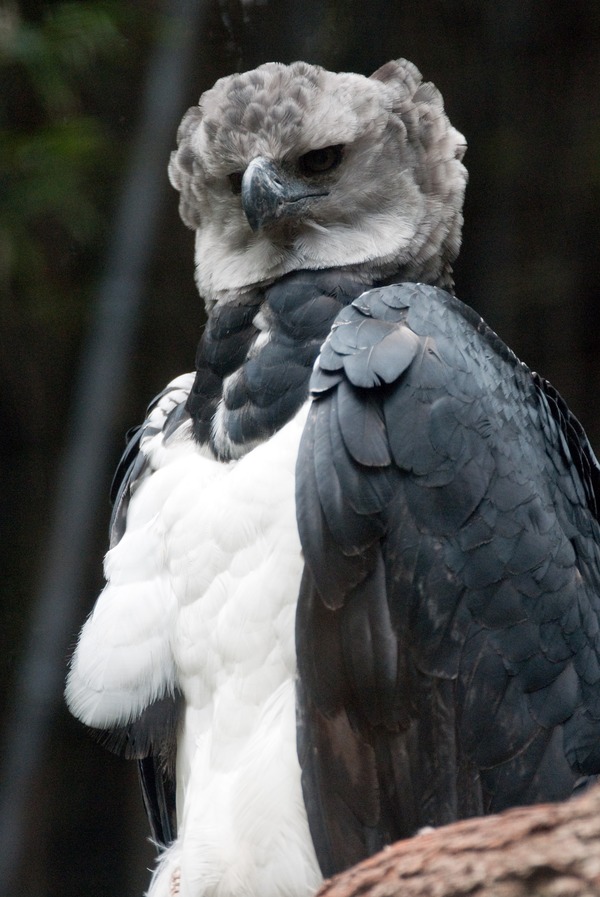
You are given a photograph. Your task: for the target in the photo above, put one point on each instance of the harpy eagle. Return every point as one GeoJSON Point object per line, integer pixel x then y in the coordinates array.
{"type": "Point", "coordinates": [354, 575]}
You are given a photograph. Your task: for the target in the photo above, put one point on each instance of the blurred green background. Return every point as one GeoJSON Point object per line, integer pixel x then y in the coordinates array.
{"type": "Point", "coordinates": [520, 78]}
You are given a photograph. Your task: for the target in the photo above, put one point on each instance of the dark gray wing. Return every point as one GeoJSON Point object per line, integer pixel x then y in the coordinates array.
{"type": "Point", "coordinates": [151, 738]}
{"type": "Point", "coordinates": [448, 618]}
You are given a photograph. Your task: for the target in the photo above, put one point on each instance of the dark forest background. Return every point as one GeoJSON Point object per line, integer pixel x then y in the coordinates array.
{"type": "Point", "coordinates": [520, 78]}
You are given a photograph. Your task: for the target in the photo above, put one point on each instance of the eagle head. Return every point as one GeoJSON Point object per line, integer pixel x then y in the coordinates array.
{"type": "Point", "coordinates": [288, 168]}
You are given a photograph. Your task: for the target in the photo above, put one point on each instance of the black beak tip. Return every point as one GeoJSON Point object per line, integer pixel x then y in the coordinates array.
{"type": "Point", "coordinates": [262, 192]}
{"type": "Point", "coordinates": [252, 217]}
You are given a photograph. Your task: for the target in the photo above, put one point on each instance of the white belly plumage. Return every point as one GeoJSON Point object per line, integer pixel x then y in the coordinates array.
{"type": "Point", "coordinates": [201, 594]}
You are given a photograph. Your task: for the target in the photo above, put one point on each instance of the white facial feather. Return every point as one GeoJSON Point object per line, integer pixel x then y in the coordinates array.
{"type": "Point", "coordinates": [394, 203]}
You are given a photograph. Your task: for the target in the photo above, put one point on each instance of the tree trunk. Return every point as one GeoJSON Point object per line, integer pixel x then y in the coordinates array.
{"type": "Point", "coordinates": [547, 850]}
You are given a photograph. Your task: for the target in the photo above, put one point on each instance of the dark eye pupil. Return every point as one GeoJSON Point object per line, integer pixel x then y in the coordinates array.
{"type": "Point", "coordinates": [235, 182]}
{"type": "Point", "coordinates": [320, 160]}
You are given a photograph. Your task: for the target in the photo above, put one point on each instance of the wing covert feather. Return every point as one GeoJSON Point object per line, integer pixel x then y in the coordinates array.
{"type": "Point", "coordinates": [447, 507]}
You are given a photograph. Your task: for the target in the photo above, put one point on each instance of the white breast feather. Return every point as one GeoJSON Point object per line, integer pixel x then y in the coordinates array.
{"type": "Point", "coordinates": [201, 594]}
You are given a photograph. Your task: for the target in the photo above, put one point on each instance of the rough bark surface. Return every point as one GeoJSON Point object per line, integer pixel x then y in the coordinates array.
{"type": "Point", "coordinates": [548, 850]}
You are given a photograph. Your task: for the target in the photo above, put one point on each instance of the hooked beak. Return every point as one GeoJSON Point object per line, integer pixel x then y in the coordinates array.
{"type": "Point", "coordinates": [269, 193]}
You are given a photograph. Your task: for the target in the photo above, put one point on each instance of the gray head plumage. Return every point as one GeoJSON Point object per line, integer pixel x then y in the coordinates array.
{"type": "Point", "coordinates": [392, 205]}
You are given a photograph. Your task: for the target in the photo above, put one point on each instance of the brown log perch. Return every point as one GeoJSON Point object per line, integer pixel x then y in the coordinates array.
{"type": "Point", "coordinates": [548, 850]}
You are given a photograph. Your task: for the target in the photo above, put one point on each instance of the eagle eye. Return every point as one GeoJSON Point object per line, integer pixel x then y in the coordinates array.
{"type": "Point", "coordinates": [235, 182]}
{"type": "Point", "coordinates": [319, 161]}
